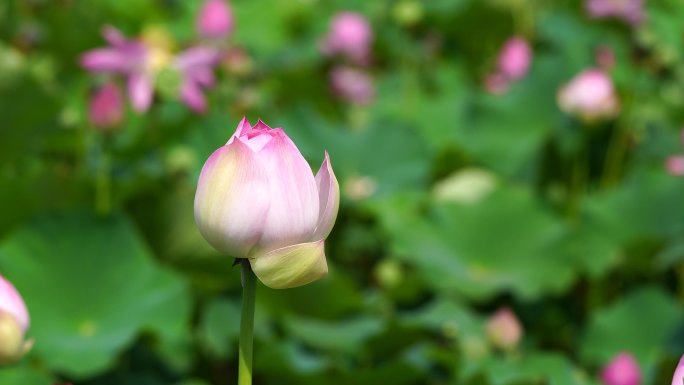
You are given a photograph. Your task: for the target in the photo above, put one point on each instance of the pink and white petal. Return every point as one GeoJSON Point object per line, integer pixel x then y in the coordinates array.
{"type": "Point", "coordinates": [192, 96]}
{"type": "Point", "coordinates": [113, 36]}
{"type": "Point", "coordinates": [140, 91]}
{"type": "Point", "coordinates": [291, 266]}
{"type": "Point", "coordinates": [243, 126]}
{"type": "Point", "coordinates": [328, 199]}
{"type": "Point", "coordinates": [232, 199]}
{"type": "Point", "coordinates": [105, 60]}
{"type": "Point", "coordinates": [12, 303]}
{"type": "Point", "coordinates": [294, 211]}
{"type": "Point", "coordinates": [197, 56]}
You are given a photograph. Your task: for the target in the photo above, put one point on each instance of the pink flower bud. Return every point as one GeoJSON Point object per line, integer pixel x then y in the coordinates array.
{"type": "Point", "coordinates": [504, 330]}
{"type": "Point", "coordinates": [215, 19]}
{"type": "Point", "coordinates": [675, 165]}
{"type": "Point", "coordinates": [678, 376]}
{"type": "Point", "coordinates": [623, 369]}
{"type": "Point", "coordinates": [257, 198]}
{"type": "Point", "coordinates": [589, 95]}
{"type": "Point", "coordinates": [106, 110]}
{"type": "Point", "coordinates": [515, 58]}
{"type": "Point", "coordinates": [351, 35]}
{"type": "Point", "coordinates": [496, 84]}
{"type": "Point", "coordinates": [352, 85]}
{"type": "Point", "coordinates": [14, 320]}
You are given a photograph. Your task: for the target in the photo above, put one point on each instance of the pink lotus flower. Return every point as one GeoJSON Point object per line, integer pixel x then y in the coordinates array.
{"type": "Point", "coordinates": [515, 58]}
{"type": "Point", "coordinates": [504, 329]}
{"type": "Point", "coordinates": [196, 66]}
{"type": "Point", "coordinates": [106, 110]}
{"type": "Point", "coordinates": [350, 35]}
{"type": "Point", "coordinates": [675, 165]}
{"type": "Point", "coordinates": [257, 198]}
{"type": "Point", "coordinates": [630, 11]}
{"type": "Point", "coordinates": [678, 376]}
{"type": "Point", "coordinates": [14, 321]}
{"type": "Point", "coordinates": [352, 85]}
{"type": "Point", "coordinates": [130, 58]}
{"type": "Point", "coordinates": [623, 369]}
{"type": "Point", "coordinates": [215, 19]}
{"type": "Point", "coordinates": [589, 95]}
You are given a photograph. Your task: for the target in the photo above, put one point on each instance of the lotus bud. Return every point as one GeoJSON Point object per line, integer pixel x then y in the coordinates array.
{"type": "Point", "coordinates": [623, 369]}
{"type": "Point", "coordinates": [14, 320]}
{"type": "Point", "coordinates": [106, 110]}
{"type": "Point", "coordinates": [352, 85]}
{"type": "Point", "coordinates": [504, 330]}
{"type": "Point", "coordinates": [215, 19]}
{"type": "Point", "coordinates": [350, 35]}
{"type": "Point", "coordinates": [675, 165]}
{"type": "Point", "coordinates": [590, 95]}
{"type": "Point", "coordinates": [257, 198]}
{"type": "Point", "coordinates": [515, 58]}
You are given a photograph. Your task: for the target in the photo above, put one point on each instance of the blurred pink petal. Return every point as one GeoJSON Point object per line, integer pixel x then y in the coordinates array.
{"type": "Point", "coordinates": [630, 11]}
{"type": "Point", "coordinates": [515, 58]}
{"type": "Point", "coordinates": [504, 330]}
{"type": "Point", "coordinates": [140, 91]}
{"type": "Point", "coordinates": [215, 19]}
{"type": "Point", "coordinates": [196, 66]}
{"type": "Point", "coordinates": [351, 35]}
{"type": "Point", "coordinates": [352, 85]}
{"type": "Point", "coordinates": [623, 369]}
{"type": "Point", "coordinates": [106, 108]}
{"type": "Point", "coordinates": [191, 94]}
{"type": "Point", "coordinates": [589, 95]}
{"type": "Point", "coordinates": [675, 165]}
{"type": "Point", "coordinates": [496, 84]}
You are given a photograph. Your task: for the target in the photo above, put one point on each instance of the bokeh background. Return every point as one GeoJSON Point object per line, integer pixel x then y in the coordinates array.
{"type": "Point", "coordinates": [499, 224]}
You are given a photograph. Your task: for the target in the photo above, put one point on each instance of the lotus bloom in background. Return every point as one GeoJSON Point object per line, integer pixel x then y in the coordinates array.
{"type": "Point", "coordinates": [631, 11]}
{"type": "Point", "coordinates": [589, 95]}
{"type": "Point", "coordinates": [504, 330]}
{"type": "Point", "coordinates": [196, 66]}
{"type": "Point", "coordinates": [106, 109]}
{"type": "Point", "coordinates": [215, 19]}
{"type": "Point", "coordinates": [623, 369]}
{"type": "Point", "coordinates": [350, 35]}
{"type": "Point", "coordinates": [14, 321]}
{"type": "Point", "coordinates": [513, 64]}
{"type": "Point", "coordinates": [352, 85]}
{"type": "Point", "coordinates": [257, 198]}
{"type": "Point", "coordinates": [131, 58]}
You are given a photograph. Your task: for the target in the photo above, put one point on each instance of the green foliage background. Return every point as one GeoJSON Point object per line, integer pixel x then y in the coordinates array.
{"type": "Point", "coordinates": [581, 232]}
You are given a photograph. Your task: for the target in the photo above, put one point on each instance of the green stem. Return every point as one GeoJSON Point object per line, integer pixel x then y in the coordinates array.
{"type": "Point", "coordinates": [246, 324]}
{"type": "Point", "coordinates": [103, 183]}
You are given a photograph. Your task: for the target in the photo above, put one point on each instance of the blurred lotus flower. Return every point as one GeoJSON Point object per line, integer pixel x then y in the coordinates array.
{"type": "Point", "coordinates": [131, 58]}
{"type": "Point", "coordinates": [515, 58]}
{"type": "Point", "coordinates": [504, 330]}
{"type": "Point", "coordinates": [352, 85]}
{"type": "Point", "coordinates": [622, 370]}
{"type": "Point", "coordinates": [675, 165]}
{"type": "Point", "coordinates": [14, 320]}
{"type": "Point", "coordinates": [258, 199]}
{"type": "Point", "coordinates": [496, 84]}
{"type": "Point", "coordinates": [630, 11]}
{"type": "Point", "coordinates": [196, 66]}
{"type": "Point", "coordinates": [215, 19]}
{"type": "Point", "coordinates": [678, 376]}
{"type": "Point", "coordinates": [589, 95]}
{"type": "Point", "coordinates": [106, 110]}
{"type": "Point", "coordinates": [351, 35]}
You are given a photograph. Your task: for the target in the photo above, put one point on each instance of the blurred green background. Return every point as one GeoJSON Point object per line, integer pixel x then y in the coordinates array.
{"type": "Point", "coordinates": [455, 202]}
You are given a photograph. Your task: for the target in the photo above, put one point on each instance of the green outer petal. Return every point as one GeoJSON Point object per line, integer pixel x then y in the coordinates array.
{"type": "Point", "coordinates": [291, 266]}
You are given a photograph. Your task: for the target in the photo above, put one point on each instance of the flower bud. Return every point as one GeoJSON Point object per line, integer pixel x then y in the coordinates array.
{"type": "Point", "coordinates": [504, 330]}
{"type": "Point", "coordinates": [623, 369]}
{"type": "Point", "coordinates": [14, 320]}
{"type": "Point", "coordinates": [515, 58]}
{"type": "Point", "coordinates": [675, 165]}
{"type": "Point", "coordinates": [215, 19]}
{"type": "Point", "coordinates": [257, 198]}
{"type": "Point", "coordinates": [350, 35]}
{"type": "Point", "coordinates": [352, 85]}
{"type": "Point", "coordinates": [678, 376]}
{"type": "Point", "coordinates": [106, 110]}
{"type": "Point", "coordinates": [589, 95]}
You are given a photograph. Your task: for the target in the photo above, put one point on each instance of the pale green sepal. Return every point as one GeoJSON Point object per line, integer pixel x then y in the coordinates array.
{"type": "Point", "coordinates": [291, 266]}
